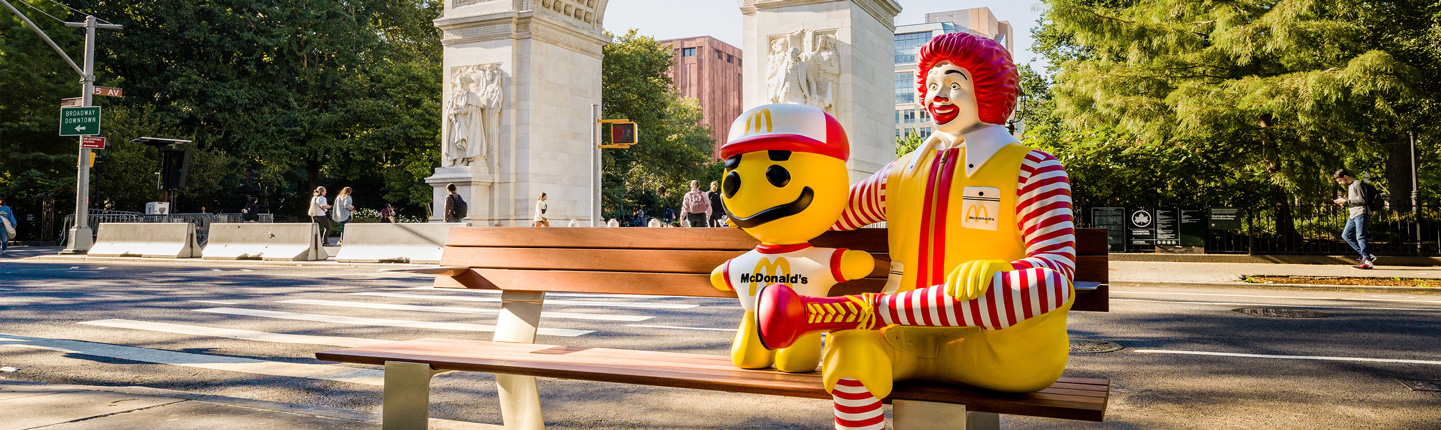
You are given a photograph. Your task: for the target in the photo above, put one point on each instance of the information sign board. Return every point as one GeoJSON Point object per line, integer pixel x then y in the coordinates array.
{"type": "Point", "coordinates": [1225, 219]}
{"type": "Point", "coordinates": [1114, 221]}
{"type": "Point", "coordinates": [1167, 231]}
{"type": "Point", "coordinates": [92, 142]}
{"type": "Point", "coordinates": [1193, 227]}
{"type": "Point", "coordinates": [1142, 228]}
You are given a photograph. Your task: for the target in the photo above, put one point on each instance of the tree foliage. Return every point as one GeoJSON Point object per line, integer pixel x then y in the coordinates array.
{"type": "Point", "coordinates": [674, 145]}
{"type": "Point", "coordinates": [1231, 98]}
{"type": "Point", "coordinates": [278, 96]}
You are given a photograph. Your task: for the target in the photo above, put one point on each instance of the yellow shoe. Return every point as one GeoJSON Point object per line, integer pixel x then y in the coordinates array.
{"type": "Point", "coordinates": [747, 351]}
{"type": "Point", "coordinates": [802, 356]}
{"type": "Point", "coordinates": [859, 354]}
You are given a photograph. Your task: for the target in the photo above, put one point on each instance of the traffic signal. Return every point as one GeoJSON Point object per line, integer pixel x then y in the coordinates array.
{"type": "Point", "coordinates": [622, 134]}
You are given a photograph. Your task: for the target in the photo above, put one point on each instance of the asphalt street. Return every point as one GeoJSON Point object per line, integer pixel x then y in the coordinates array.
{"type": "Point", "coordinates": [1189, 360]}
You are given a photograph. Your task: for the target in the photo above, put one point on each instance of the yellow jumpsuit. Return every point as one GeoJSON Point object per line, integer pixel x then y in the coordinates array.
{"type": "Point", "coordinates": [926, 212]}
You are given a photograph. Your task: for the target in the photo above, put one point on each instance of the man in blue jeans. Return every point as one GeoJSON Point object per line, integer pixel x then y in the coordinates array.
{"type": "Point", "coordinates": [1355, 204]}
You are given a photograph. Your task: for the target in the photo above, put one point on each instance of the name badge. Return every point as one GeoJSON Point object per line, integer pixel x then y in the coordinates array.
{"type": "Point", "coordinates": [982, 208]}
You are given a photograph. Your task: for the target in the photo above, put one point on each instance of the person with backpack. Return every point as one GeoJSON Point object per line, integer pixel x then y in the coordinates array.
{"type": "Point", "coordinates": [695, 206]}
{"type": "Point", "coordinates": [318, 206]}
{"type": "Point", "coordinates": [1361, 199]}
{"type": "Point", "coordinates": [7, 231]}
{"type": "Point", "coordinates": [387, 215]}
{"type": "Point", "coordinates": [456, 208]}
{"type": "Point", "coordinates": [540, 207]}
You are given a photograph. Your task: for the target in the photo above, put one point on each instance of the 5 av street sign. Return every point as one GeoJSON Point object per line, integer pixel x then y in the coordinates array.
{"type": "Point", "coordinates": [80, 121]}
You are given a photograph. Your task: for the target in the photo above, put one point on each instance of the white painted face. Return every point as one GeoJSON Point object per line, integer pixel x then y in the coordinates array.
{"type": "Point", "coordinates": [951, 99]}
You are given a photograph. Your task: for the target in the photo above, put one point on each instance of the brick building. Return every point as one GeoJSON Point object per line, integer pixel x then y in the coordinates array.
{"type": "Point", "coordinates": [710, 71]}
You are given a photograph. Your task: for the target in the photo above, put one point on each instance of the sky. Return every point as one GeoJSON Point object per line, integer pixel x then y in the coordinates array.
{"type": "Point", "coordinates": [721, 19]}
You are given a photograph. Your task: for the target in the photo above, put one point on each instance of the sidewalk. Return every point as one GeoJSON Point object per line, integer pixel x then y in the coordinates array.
{"type": "Point", "coordinates": [28, 405]}
{"type": "Point", "coordinates": [1170, 273]}
{"type": "Point", "coordinates": [51, 254]}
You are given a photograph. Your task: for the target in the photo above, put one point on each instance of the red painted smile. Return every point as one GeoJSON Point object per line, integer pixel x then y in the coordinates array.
{"type": "Point", "coordinates": [942, 113]}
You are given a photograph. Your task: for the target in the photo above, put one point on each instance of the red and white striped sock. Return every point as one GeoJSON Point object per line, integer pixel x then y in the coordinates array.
{"type": "Point", "coordinates": [1013, 297]}
{"type": "Point", "coordinates": [856, 408]}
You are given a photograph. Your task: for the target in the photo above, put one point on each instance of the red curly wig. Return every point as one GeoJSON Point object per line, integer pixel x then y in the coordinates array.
{"type": "Point", "coordinates": [996, 80]}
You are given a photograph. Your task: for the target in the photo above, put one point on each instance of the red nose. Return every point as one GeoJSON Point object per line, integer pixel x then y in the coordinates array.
{"type": "Point", "coordinates": [942, 99]}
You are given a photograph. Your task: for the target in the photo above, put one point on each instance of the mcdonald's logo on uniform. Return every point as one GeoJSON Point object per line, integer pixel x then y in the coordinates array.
{"type": "Point", "coordinates": [769, 272]}
{"type": "Point", "coordinates": [753, 124]}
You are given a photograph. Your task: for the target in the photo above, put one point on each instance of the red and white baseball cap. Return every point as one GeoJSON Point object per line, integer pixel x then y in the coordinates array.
{"type": "Point", "coordinates": [787, 127]}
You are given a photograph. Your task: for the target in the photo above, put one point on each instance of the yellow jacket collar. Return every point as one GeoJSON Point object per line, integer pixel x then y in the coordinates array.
{"type": "Point", "coordinates": [980, 144]}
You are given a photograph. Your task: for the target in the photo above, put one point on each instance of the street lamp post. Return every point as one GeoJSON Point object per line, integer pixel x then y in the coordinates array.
{"type": "Point", "coordinates": [1415, 195]}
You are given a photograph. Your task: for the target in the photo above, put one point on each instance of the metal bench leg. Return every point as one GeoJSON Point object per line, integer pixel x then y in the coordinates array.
{"type": "Point", "coordinates": [407, 396]}
{"type": "Point", "coordinates": [915, 415]}
{"type": "Point", "coordinates": [518, 321]}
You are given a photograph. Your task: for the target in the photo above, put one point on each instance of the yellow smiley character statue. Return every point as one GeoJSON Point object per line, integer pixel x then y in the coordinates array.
{"type": "Point", "coordinates": [980, 228]}
{"type": "Point", "coordinates": [785, 183]}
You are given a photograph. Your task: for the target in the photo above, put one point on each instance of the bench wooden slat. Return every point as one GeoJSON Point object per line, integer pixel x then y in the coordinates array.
{"type": "Point", "coordinates": [622, 238]}
{"type": "Point", "coordinates": [1082, 399]}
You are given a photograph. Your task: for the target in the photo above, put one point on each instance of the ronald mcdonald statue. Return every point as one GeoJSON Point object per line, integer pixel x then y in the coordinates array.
{"type": "Point", "coordinates": [980, 228]}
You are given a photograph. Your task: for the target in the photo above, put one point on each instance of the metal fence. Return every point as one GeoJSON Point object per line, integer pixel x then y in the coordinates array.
{"type": "Point", "coordinates": [1316, 231]}
{"type": "Point", "coordinates": [201, 221]}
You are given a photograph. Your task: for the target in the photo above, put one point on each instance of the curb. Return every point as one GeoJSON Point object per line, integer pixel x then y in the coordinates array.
{"type": "Point", "coordinates": [1271, 259]}
{"type": "Point", "coordinates": [1311, 287]}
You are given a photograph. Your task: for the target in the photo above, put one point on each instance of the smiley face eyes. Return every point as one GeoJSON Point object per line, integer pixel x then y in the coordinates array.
{"type": "Point", "coordinates": [778, 176]}
{"type": "Point", "coordinates": [955, 87]}
{"type": "Point", "coordinates": [933, 87]}
{"type": "Point", "coordinates": [731, 184]}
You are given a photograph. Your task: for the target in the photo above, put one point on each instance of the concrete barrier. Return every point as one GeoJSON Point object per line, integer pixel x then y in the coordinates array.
{"type": "Point", "coordinates": [149, 240]}
{"type": "Point", "coordinates": [270, 242]}
{"type": "Point", "coordinates": [383, 242]}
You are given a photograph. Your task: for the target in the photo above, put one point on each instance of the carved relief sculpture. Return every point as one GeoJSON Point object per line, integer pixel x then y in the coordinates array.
{"type": "Point", "coordinates": [804, 68]}
{"type": "Point", "coordinates": [474, 114]}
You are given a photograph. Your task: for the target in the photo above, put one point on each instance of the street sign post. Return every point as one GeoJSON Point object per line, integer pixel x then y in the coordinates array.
{"type": "Point", "coordinates": [92, 142]}
{"type": "Point", "coordinates": [80, 121]}
{"type": "Point", "coordinates": [72, 102]}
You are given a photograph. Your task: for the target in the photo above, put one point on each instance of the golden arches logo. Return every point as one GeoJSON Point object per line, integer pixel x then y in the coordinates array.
{"type": "Point", "coordinates": [977, 212]}
{"type": "Point", "coordinates": [753, 124]}
{"type": "Point", "coordinates": [780, 268]}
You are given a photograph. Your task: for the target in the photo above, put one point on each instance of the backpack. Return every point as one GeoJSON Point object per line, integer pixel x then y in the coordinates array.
{"type": "Point", "coordinates": [698, 204]}
{"type": "Point", "coordinates": [458, 208]}
{"type": "Point", "coordinates": [1375, 201]}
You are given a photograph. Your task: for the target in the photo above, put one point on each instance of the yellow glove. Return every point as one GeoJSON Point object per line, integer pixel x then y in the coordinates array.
{"type": "Point", "coordinates": [972, 279]}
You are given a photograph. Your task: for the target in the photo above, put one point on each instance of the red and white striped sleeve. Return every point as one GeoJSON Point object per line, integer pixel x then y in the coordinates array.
{"type": "Point", "coordinates": [1044, 215]}
{"type": "Point", "coordinates": [867, 202]}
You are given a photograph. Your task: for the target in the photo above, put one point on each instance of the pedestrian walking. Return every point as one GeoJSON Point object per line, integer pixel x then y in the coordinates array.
{"type": "Point", "coordinates": [250, 213]}
{"type": "Point", "coordinates": [455, 206]}
{"type": "Point", "coordinates": [717, 207]}
{"type": "Point", "coordinates": [695, 206]}
{"type": "Point", "coordinates": [344, 210]}
{"type": "Point", "coordinates": [1358, 194]}
{"type": "Point", "coordinates": [7, 231]}
{"type": "Point", "coordinates": [318, 206]}
{"type": "Point", "coordinates": [387, 214]}
{"type": "Point", "coordinates": [540, 217]}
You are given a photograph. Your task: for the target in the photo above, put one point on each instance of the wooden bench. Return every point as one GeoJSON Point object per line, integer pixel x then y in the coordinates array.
{"type": "Point", "coordinates": [526, 263]}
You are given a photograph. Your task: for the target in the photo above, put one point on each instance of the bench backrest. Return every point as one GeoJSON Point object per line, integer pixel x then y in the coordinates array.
{"type": "Point", "coordinates": [669, 261]}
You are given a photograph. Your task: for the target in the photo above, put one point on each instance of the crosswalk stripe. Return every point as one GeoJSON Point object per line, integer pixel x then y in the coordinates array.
{"type": "Point", "coordinates": [548, 302]}
{"type": "Point", "coordinates": [203, 361]}
{"type": "Point", "coordinates": [680, 328]}
{"type": "Point", "coordinates": [347, 342]}
{"type": "Point", "coordinates": [337, 319]}
{"type": "Point", "coordinates": [216, 302]}
{"type": "Point", "coordinates": [460, 310]}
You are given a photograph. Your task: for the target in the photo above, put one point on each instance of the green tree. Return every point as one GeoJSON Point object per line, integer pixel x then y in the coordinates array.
{"type": "Point", "coordinates": [674, 145]}
{"type": "Point", "coordinates": [1279, 91]}
{"type": "Point", "coordinates": [907, 143]}
{"type": "Point", "coordinates": [35, 78]}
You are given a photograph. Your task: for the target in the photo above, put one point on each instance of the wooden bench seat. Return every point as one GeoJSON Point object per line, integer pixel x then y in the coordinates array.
{"type": "Point", "coordinates": [1069, 398]}
{"type": "Point", "coordinates": [525, 263]}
